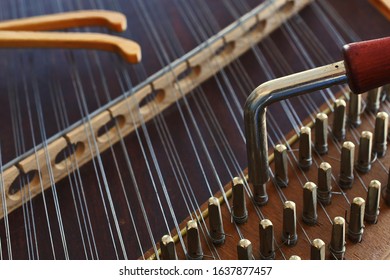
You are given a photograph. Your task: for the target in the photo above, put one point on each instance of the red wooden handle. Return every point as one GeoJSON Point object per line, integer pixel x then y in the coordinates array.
{"type": "Point", "coordinates": [367, 64]}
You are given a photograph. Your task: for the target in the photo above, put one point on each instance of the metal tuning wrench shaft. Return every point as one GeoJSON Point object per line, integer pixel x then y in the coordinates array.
{"type": "Point", "coordinates": [33, 33]}
{"type": "Point", "coordinates": [366, 66]}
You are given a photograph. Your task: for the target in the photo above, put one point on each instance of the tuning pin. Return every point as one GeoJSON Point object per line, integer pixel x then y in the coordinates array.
{"type": "Point", "coordinates": [356, 224]}
{"type": "Point", "coordinates": [365, 152]}
{"type": "Point", "coordinates": [244, 250]}
{"type": "Point", "coordinates": [317, 250]}
{"type": "Point", "coordinates": [386, 92]}
{"type": "Point", "coordinates": [321, 133]}
{"type": "Point", "coordinates": [217, 233]}
{"type": "Point", "coordinates": [346, 165]}
{"type": "Point", "coordinates": [280, 158]}
{"type": "Point", "coordinates": [266, 232]}
{"type": "Point", "coordinates": [380, 134]}
{"type": "Point", "coordinates": [295, 258]}
{"type": "Point", "coordinates": [324, 191]}
{"type": "Point", "coordinates": [355, 109]}
{"type": "Point", "coordinates": [338, 128]}
{"type": "Point", "coordinates": [372, 205]}
{"type": "Point", "coordinates": [373, 100]}
{"type": "Point", "coordinates": [383, 94]}
{"type": "Point", "coordinates": [239, 211]}
{"type": "Point", "coordinates": [305, 158]}
{"type": "Point", "coordinates": [309, 215]}
{"type": "Point", "coordinates": [195, 251]}
{"type": "Point", "coordinates": [167, 246]}
{"type": "Point", "coordinates": [386, 191]}
{"type": "Point", "coordinates": [337, 242]}
{"type": "Point", "coordinates": [289, 234]}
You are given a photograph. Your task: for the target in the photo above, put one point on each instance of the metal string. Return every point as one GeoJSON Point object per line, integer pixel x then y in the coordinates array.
{"type": "Point", "coordinates": [157, 38]}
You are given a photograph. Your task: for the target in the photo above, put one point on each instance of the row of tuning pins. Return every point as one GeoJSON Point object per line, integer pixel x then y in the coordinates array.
{"type": "Point", "coordinates": [371, 145]}
{"type": "Point", "coordinates": [267, 240]}
{"type": "Point", "coordinates": [194, 245]}
{"type": "Point", "coordinates": [216, 232]}
{"type": "Point", "coordinates": [337, 246]}
{"type": "Point", "coordinates": [289, 236]}
{"type": "Point", "coordinates": [360, 210]}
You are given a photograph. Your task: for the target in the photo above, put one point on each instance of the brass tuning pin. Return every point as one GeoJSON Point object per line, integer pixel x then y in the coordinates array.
{"type": "Point", "coordinates": [372, 202]}
{"type": "Point", "coordinates": [305, 158]}
{"type": "Point", "coordinates": [324, 191]}
{"type": "Point", "coordinates": [194, 246]}
{"type": "Point", "coordinates": [380, 134]}
{"type": "Point", "coordinates": [386, 92]}
{"type": "Point", "coordinates": [356, 217]}
{"type": "Point", "coordinates": [373, 100]}
{"type": "Point", "coordinates": [317, 250]}
{"type": "Point", "coordinates": [321, 133]}
{"type": "Point", "coordinates": [309, 215]}
{"type": "Point", "coordinates": [244, 250]}
{"type": "Point", "coordinates": [355, 109]}
{"type": "Point", "coordinates": [167, 246]}
{"type": "Point", "coordinates": [365, 152]}
{"type": "Point", "coordinates": [281, 173]}
{"type": "Point", "coordinates": [339, 119]}
{"type": "Point", "coordinates": [217, 233]}
{"type": "Point", "coordinates": [337, 242]}
{"type": "Point", "coordinates": [266, 232]}
{"type": "Point", "coordinates": [289, 234]}
{"type": "Point", "coordinates": [386, 190]}
{"type": "Point", "coordinates": [239, 211]}
{"type": "Point", "coordinates": [346, 176]}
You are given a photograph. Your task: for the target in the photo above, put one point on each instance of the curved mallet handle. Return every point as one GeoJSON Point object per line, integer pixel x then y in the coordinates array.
{"type": "Point", "coordinates": [110, 19]}
{"type": "Point", "coordinates": [128, 49]}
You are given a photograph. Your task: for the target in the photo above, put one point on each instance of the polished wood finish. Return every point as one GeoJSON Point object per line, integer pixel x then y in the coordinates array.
{"type": "Point", "coordinates": [367, 64]}
{"type": "Point", "coordinates": [113, 20]}
{"type": "Point", "coordinates": [17, 33]}
{"type": "Point", "coordinates": [129, 50]}
{"type": "Point", "coordinates": [383, 6]}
